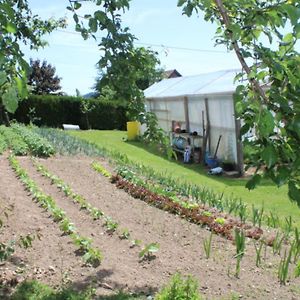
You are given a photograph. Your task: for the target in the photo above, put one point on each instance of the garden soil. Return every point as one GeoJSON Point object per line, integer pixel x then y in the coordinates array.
{"type": "Point", "coordinates": [53, 258]}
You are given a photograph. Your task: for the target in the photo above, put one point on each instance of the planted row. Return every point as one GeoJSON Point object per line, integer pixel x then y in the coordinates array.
{"type": "Point", "coordinates": [14, 141]}
{"type": "Point", "coordinates": [91, 255]}
{"type": "Point", "coordinates": [200, 194]}
{"type": "Point", "coordinates": [110, 224]}
{"type": "Point", "coordinates": [192, 213]}
{"type": "Point", "coordinates": [3, 144]}
{"type": "Point", "coordinates": [38, 146]}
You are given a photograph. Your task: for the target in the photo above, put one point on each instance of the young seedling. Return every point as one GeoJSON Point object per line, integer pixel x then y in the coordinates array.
{"type": "Point", "coordinates": [277, 243]}
{"type": "Point", "coordinates": [148, 251]}
{"type": "Point", "coordinates": [135, 243]}
{"type": "Point", "coordinates": [288, 225]}
{"type": "Point", "coordinates": [258, 250]}
{"type": "Point", "coordinates": [240, 249]}
{"type": "Point", "coordinates": [26, 241]}
{"type": "Point", "coordinates": [67, 226]}
{"type": "Point", "coordinates": [111, 225]}
{"type": "Point", "coordinates": [283, 268]}
{"type": "Point", "coordinates": [273, 220]}
{"type": "Point", "coordinates": [257, 216]}
{"type": "Point", "coordinates": [125, 235]}
{"type": "Point", "coordinates": [297, 270]}
{"type": "Point", "coordinates": [207, 245]}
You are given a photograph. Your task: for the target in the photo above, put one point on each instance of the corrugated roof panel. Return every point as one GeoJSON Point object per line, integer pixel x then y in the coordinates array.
{"type": "Point", "coordinates": [216, 82]}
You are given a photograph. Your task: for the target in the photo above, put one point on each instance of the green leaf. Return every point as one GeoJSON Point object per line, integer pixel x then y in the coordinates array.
{"type": "Point", "coordinates": [100, 16]}
{"type": "Point", "coordinates": [93, 24]}
{"type": "Point", "coordinates": [294, 191]}
{"type": "Point", "coordinates": [21, 86]}
{"type": "Point", "coordinates": [75, 17]}
{"type": "Point", "coordinates": [2, 78]}
{"type": "Point", "coordinates": [77, 5]}
{"type": "Point", "coordinates": [10, 100]}
{"type": "Point", "coordinates": [11, 28]}
{"type": "Point", "coordinates": [266, 124]}
{"type": "Point", "coordinates": [180, 2]}
{"type": "Point", "coordinates": [282, 176]}
{"type": "Point", "coordinates": [253, 182]}
{"type": "Point", "coordinates": [293, 13]}
{"type": "Point", "coordinates": [269, 155]}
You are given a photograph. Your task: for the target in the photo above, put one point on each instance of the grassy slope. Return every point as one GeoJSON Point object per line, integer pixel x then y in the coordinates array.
{"type": "Point", "coordinates": [274, 198]}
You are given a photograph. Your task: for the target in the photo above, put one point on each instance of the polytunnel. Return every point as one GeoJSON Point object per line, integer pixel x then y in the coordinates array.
{"type": "Point", "coordinates": [203, 106]}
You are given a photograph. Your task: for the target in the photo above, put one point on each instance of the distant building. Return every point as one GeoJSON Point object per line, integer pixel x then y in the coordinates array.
{"type": "Point", "coordinates": [171, 74]}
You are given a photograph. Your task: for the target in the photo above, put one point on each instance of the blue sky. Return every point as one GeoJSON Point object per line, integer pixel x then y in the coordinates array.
{"type": "Point", "coordinates": [153, 22]}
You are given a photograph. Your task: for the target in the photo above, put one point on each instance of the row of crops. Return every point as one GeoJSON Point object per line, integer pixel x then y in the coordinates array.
{"type": "Point", "coordinates": [21, 140]}
{"type": "Point", "coordinates": [194, 203]}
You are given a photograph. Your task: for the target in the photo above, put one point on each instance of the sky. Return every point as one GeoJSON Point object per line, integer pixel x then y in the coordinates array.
{"type": "Point", "coordinates": [185, 44]}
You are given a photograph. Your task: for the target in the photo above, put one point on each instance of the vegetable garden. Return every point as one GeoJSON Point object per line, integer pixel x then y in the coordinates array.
{"type": "Point", "coordinates": [95, 222]}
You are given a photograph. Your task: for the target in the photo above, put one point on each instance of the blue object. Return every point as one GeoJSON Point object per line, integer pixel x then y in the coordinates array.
{"type": "Point", "coordinates": [210, 161]}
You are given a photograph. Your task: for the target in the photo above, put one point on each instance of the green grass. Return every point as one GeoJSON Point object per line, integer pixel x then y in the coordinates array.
{"type": "Point", "coordinates": [274, 199]}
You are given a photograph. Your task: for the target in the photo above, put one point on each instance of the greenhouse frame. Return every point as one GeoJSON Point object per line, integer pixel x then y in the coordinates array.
{"type": "Point", "coordinates": [204, 105]}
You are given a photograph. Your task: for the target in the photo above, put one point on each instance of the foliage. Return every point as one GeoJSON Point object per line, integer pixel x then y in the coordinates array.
{"type": "Point", "coordinates": [283, 269]}
{"type": "Point", "coordinates": [42, 78]}
{"type": "Point", "coordinates": [37, 145]}
{"type": "Point", "coordinates": [125, 79]}
{"type": "Point", "coordinates": [66, 144]}
{"type": "Point", "coordinates": [34, 290]}
{"type": "Point", "coordinates": [155, 135]}
{"type": "Point", "coordinates": [239, 239]}
{"type": "Point", "coordinates": [14, 141]}
{"type": "Point", "coordinates": [18, 24]}
{"type": "Point", "coordinates": [223, 193]}
{"type": "Point", "coordinates": [90, 255]}
{"type": "Point", "coordinates": [180, 288]}
{"type": "Point", "coordinates": [3, 144]}
{"type": "Point", "coordinates": [207, 245]}
{"type": "Point", "coordinates": [149, 250]}
{"type": "Point", "coordinates": [265, 34]}
{"type": "Point", "coordinates": [55, 110]}
{"type": "Point", "coordinates": [124, 69]}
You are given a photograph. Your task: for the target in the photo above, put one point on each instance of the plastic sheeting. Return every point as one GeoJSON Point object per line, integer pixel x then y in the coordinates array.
{"type": "Point", "coordinates": [167, 97]}
{"type": "Point", "coordinates": [203, 84]}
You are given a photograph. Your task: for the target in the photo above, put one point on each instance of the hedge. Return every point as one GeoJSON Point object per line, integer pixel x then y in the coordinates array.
{"type": "Point", "coordinates": [53, 111]}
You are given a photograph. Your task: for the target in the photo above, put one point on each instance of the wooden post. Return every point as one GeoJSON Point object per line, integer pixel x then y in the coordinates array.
{"type": "Point", "coordinates": [186, 114]}
{"type": "Point", "coordinates": [239, 146]}
{"type": "Point", "coordinates": [207, 132]}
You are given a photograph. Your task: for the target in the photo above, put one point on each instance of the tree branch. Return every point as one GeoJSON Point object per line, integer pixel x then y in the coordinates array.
{"type": "Point", "coordinates": [255, 84]}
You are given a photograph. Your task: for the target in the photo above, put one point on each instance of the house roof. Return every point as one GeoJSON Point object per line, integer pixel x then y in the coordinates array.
{"type": "Point", "coordinates": [202, 84]}
{"type": "Point", "coordinates": [171, 74]}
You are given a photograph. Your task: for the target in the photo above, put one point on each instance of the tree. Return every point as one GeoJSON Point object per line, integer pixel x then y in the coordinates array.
{"type": "Point", "coordinates": [122, 66]}
{"type": "Point", "coordinates": [18, 24]}
{"type": "Point", "coordinates": [125, 79]}
{"type": "Point", "coordinates": [42, 78]}
{"type": "Point", "coordinates": [263, 34]}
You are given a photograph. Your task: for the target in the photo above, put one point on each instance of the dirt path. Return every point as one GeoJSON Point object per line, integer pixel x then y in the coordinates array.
{"type": "Point", "coordinates": [180, 242]}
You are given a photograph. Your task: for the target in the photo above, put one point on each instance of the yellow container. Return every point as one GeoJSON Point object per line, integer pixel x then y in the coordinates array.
{"type": "Point", "coordinates": [133, 130]}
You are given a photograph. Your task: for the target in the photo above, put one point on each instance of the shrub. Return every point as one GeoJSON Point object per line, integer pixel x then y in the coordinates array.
{"type": "Point", "coordinates": [53, 111]}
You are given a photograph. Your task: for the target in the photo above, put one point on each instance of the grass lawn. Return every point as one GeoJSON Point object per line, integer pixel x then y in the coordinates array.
{"type": "Point", "coordinates": [274, 199]}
